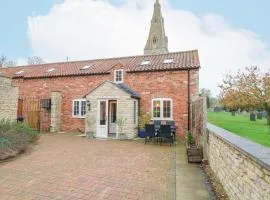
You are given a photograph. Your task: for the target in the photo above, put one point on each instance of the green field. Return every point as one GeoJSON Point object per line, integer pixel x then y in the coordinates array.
{"type": "Point", "coordinates": [257, 131]}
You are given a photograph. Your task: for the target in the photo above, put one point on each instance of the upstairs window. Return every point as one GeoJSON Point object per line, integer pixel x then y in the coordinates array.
{"type": "Point", "coordinates": [162, 109]}
{"type": "Point", "coordinates": [79, 108]}
{"type": "Point", "coordinates": [145, 62]}
{"type": "Point", "coordinates": [86, 67]}
{"type": "Point", "coordinates": [118, 76]}
{"type": "Point", "coordinates": [168, 60]}
{"type": "Point", "coordinates": [19, 72]}
{"type": "Point", "coordinates": [50, 70]}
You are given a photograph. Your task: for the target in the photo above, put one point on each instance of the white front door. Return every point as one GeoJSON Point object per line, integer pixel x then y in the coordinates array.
{"type": "Point", "coordinates": [102, 119]}
{"type": "Point", "coordinates": [112, 117]}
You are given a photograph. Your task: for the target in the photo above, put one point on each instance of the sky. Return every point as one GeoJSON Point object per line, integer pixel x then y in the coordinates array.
{"type": "Point", "coordinates": [229, 34]}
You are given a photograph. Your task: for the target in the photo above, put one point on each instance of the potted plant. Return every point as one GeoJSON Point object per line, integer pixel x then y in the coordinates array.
{"type": "Point", "coordinates": [90, 132]}
{"type": "Point", "coordinates": [144, 118]}
{"type": "Point", "coordinates": [121, 121]}
{"type": "Point", "coordinates": [194, 153]}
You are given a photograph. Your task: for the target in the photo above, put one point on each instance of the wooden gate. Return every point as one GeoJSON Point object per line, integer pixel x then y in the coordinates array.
{"type": "Point", "coordinates": [36, 112]}
{"type": "Point", "coordinates": [197, 116]}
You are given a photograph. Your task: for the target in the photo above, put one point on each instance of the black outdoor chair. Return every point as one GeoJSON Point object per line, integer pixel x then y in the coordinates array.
{"type": "Point", "coordinates": [149, 132]}
{"type": "Point", "coordinates": [165, 134]}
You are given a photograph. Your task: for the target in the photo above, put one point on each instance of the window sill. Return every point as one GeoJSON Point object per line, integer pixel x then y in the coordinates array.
{"type": "Point", "coordinates": [79, 117]}
{"type": "Point", "coordinates": [162, 119]}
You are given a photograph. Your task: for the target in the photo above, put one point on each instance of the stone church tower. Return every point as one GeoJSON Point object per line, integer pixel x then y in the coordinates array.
{"type": "Point", "coordinates": [157, 42]}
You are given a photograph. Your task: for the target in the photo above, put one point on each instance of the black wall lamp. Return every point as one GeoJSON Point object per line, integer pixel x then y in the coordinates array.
{"type": "Point", "coordinates": [88, 105]}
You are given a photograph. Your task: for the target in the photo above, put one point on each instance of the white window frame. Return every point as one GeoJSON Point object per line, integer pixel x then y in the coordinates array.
{"type": "Point", "coordinates": [19, 72]}
{"type": "Point", "coordinates": [118, 70]}
{"type": "Point", "coordinates": [161, 109]}
{"type": "Point", "coordinates": [145, 62]}
{"type": "Point", "coordinates": [80, 108]}
{"type": "Point", "coordinates": [168, 61]}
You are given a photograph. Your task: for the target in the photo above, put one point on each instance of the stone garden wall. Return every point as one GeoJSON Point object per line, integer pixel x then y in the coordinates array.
{"type": "Point", "coordinates": [8, 99]}
{"type": "Point", "coordinates": [241, 166]}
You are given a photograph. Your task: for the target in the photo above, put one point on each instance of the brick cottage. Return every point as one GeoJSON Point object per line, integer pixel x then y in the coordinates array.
{"type": "Point", "coordinates": [93, 94]}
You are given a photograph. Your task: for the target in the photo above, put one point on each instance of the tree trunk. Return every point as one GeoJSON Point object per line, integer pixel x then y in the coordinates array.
{"type": "Point", "coordinates": [268, 116]}
{"type": "Point", "coordinates": [252, 116]}
{"type": "Point", "coordinates": [267, 109]}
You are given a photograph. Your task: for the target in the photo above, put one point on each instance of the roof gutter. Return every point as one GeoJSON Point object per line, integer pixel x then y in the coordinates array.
{"type": "Point", "coordinates": [59, 76]}
{"type": "Point", "coordinates": [162, 70]}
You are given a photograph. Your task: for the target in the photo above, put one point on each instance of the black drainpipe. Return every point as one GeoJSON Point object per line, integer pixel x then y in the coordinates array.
{"type": "Point", "coordinates": [189, 101]}
{"type": "Point", "coordinates": [139, 111]}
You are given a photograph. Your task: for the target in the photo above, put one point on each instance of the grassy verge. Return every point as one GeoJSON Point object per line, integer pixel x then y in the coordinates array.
{"type": "Point", "coordinates": [15, 138]}
{"type": "Point", "coordinates": [257, 131]}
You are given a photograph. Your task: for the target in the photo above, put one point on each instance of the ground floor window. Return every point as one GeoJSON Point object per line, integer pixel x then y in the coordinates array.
{"type": "Point", "coordinates": [162, 109]}
{"type": "Point", "coordinates": [79, 108]}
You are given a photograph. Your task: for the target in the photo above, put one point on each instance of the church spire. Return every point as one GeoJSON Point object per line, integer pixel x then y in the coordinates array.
{"type": "Point", "coordinates": [157, 42]}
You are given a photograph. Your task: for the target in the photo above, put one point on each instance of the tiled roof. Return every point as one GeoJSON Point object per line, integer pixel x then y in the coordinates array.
{"type": "Point", "coordinates": [120, 86]}
{"type": "Point", "coordinates": [128, 90]}
{"type": "Point", "coordinates": [181, 61]}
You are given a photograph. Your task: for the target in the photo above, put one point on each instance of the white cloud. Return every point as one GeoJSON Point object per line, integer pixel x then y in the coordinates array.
{"type": "Point", "coordinates": [85, 29]}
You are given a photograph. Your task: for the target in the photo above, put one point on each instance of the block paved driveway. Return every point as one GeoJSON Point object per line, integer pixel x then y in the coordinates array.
{"type": "Point", "coordinates": [65, 166]}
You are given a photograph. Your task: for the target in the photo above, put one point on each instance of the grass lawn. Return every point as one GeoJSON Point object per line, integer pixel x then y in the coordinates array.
{"type": "Point", "coordinates": [257, 131]}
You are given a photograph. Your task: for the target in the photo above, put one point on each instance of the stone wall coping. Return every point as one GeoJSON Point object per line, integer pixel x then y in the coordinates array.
{"type": "Point", "coordinates": [257, 152]}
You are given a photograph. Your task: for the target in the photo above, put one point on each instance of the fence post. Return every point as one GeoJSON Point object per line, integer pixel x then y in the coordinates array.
{"type": "Point", "coordinates": [56, 99]}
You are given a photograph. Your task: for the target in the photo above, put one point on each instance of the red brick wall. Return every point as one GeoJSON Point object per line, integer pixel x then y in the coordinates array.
{"type": "Point", "coordinates": [171, 84]}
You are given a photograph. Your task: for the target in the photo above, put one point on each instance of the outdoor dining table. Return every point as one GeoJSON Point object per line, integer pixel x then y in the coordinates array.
{"type": "Point", "coordinates": [173, 130]}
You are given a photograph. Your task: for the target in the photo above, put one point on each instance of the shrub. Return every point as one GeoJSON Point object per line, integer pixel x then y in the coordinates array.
{"type": "Point", "coordinates": [15, 138]}
{"type": "Point", "coordinates": [22, 128]}
{"type": "Point", "coordinates": [4, 143]}
{"type": "Point", "coordinates": [5, 125]}
{"type": "Point", "coordinates": [190, 139]}
{"type": "Point", "coordinates": [144, 118]}
{"type": "Point", "coordinates": [121, 121]}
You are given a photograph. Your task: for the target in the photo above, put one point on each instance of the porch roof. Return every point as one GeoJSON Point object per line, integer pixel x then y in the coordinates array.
{"type": "Point", "coordinates": [128, 90]}
{"type": "Point", "coordinates": [120, 86]}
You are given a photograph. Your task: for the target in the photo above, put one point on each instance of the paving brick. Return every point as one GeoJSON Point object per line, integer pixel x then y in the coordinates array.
{"type": "Point", "coordinates": [63, 166]}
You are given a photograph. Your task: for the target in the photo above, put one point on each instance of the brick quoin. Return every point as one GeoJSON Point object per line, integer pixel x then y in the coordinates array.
{"type": "Point", "coordinates": [159, 84]}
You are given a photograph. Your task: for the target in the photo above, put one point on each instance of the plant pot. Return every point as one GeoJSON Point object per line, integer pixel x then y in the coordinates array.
{"type": "Point", "coordinates": [20, 119]}
{"type": "Point", "coordinates": [90, 135]}
{"type": "Point", "coordinates": [123, 137]}
{"type": "Point", "coordinates": [141, 133]}
{"type": "Point", "coordinates": [194, 153]}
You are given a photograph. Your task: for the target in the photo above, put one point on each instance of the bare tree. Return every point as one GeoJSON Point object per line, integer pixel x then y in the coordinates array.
{"type": "Point", "coordinates": [3, 59]}
{"type": "Point", "coordinates": [10, 63]}
{"type": "Point", "coordinates": [211, 101]}
{"type": "Point", "coordinates": [35, 60]}
{"type": "Point", "coordinates": [5, 62]}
